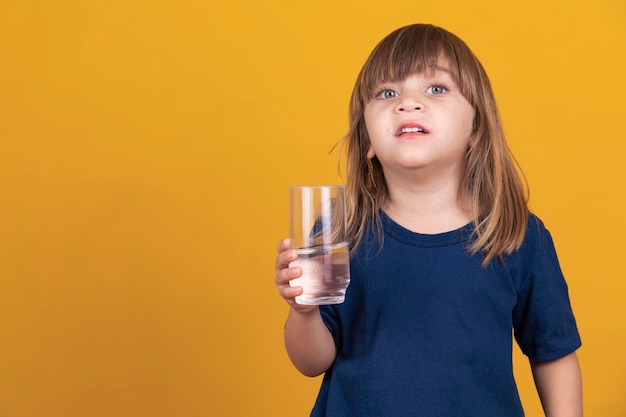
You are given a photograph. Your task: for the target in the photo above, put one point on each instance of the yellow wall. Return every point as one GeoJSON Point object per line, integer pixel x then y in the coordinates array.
{"type": "Point", "coordinates": [145, 153]}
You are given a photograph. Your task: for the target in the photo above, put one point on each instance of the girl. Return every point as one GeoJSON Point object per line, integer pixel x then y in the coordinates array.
{"type": "Point", "coordinates": [446, 260]}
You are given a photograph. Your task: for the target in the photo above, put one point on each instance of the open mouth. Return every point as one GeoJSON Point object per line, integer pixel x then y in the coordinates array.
{"type": "Point", "coordinates": [411, 130]}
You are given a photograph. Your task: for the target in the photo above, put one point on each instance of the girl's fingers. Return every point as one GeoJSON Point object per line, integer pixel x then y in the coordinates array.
{"type": "Point", "coordinates": [283, 276]}
{"type": "Point", "coordinates": [289, 293]}
{"type": "Point", "coordinates": [284, 273]}
{"type": "Point", "coordinates": [283, 245]}
{"type": "Point", "coordinates": [285, 256]}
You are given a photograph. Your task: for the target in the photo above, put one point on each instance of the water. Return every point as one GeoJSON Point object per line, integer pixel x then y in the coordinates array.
{"type": "Point", "coordinates": [325, 274]}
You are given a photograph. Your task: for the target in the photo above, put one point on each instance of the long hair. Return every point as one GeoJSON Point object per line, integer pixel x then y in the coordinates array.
{"type": "Point", "coordinates": [492, 183]}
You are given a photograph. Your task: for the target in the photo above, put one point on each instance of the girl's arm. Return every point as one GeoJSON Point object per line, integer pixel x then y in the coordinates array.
{"type": "Point", "coordinates": [559, 384]}
{"type": "Point", "coordinates": [309, 343]}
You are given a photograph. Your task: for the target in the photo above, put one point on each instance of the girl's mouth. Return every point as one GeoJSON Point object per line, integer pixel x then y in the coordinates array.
{"type": "Point", "coordinates": [411, 129]}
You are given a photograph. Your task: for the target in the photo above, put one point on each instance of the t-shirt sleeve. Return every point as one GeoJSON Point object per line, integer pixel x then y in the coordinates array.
{"type": "Point", "coordinates": [543, 321]}
{"type": "Point", "coordinates": [330, 316]}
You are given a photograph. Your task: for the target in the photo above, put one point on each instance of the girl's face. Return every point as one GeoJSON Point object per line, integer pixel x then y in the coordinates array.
{"type": "Point", "coordinates": [422, 122]}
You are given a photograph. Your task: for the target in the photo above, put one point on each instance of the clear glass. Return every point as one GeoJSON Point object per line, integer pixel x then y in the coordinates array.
{"type": "Point", "coordinates": [318, 232]}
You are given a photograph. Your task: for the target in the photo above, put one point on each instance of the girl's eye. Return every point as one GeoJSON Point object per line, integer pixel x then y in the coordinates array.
{"type": "Point", "coordinates": [386, 94]}
{"type": "Point", "coordinates": [437, 89]}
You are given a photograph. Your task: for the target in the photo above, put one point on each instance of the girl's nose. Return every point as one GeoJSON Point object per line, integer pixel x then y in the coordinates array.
{"type": "Point", "coordinates": [409, 104]}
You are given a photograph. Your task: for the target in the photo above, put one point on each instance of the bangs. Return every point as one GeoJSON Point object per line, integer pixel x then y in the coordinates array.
{"type": "Point", "coordinates": [411, 50]}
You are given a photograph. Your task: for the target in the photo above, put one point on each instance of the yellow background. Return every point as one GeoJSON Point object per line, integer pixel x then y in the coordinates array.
{"type": "Point", "coordinates": [146, 148]}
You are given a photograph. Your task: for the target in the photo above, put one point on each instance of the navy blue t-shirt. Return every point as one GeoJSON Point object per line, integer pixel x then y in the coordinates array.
{"type": "Point", "coordinates": [426, 331]}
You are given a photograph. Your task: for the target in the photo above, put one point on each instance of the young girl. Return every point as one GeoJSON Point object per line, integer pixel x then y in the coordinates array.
{"type": "Point", "coordinates": [446, 260]}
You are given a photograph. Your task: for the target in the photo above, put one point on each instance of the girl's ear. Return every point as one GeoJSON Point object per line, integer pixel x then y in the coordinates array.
{"type": "Point", "coordinates": [370, 153]}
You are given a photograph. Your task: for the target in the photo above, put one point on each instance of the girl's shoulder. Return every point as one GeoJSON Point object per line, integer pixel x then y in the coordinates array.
{"type": "Point", "coordinates": [536, 231]}
{"type": "Point", "coordinates": [537, 243]}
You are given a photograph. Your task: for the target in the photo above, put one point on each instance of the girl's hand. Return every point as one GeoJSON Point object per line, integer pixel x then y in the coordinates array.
{"type": "Point", "coordinates": [284, 274]}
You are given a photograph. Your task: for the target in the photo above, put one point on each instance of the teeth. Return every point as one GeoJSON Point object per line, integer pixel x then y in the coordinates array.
{"type": "Point", "coordinates": [412, 130]}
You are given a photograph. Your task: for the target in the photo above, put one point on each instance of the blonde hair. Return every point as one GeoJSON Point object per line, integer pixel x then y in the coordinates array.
{"type": "Point", "coordinates": [492, 182]}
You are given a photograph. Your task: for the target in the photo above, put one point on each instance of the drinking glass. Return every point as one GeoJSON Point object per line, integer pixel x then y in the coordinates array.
{"type": "Point", "coordinates": [318, 232]}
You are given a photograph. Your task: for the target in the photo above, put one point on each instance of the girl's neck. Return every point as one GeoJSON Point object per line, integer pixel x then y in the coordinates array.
{"type": "Point", "coordinates": [427, 208]}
